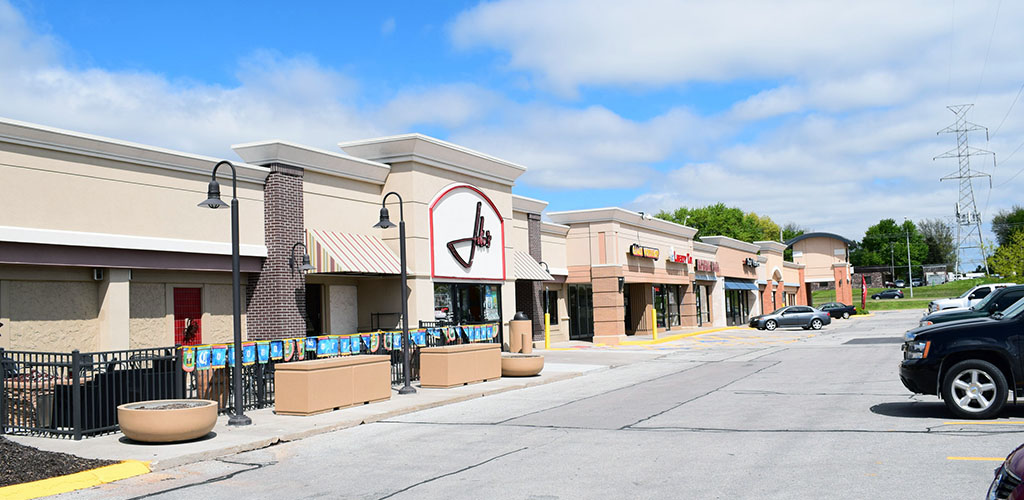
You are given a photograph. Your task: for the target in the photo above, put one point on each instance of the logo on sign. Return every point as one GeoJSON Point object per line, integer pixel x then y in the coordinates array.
{"type": "Point", "coordinates": [680, 258]}
{"type": "Point", "coordinates": [642, 251]}
{"type": "Point", "coordinates": [750, 262]}
{"type": "Point", "coordinates": [707, 266]}
{"type": "Point", "coordinates": [480, 238]}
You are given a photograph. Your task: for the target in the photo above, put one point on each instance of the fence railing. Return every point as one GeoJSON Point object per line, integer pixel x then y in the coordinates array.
{"type": "Point", "coordinates": [76, 394]}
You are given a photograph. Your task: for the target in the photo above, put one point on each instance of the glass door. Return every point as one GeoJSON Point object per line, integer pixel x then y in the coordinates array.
{"type": "Point", "coordinates": [581, 312]}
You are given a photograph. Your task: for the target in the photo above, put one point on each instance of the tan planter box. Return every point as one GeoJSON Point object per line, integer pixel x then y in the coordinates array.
{"type": "Point", "coordinates": [454, 365]}
{"type": "Point", "coordinates": [320, 385]}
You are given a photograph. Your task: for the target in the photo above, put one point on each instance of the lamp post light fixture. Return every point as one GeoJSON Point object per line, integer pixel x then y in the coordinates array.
{"type": "Point", "coordinates": [213, 201]}
{"type": "Point", "coordinates": [305, 265]}
{"type": "Point", "coordinates": [385, 223]}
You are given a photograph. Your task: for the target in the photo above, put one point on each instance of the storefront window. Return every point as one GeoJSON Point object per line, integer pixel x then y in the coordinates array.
{"type": "Point", "coordinates": [737, 304]}
{"type": "Point", "coordinates": [703, 305]}
{"type": "Point", "coordinates": [551, 302]}
{"type": "Point", "coordinates": [666, 302]}
{"type": "Point", "coordinates": [467, 303]}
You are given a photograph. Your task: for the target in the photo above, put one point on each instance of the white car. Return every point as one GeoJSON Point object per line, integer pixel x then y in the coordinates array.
{"type": "Point", "coordinates": [967, 299]}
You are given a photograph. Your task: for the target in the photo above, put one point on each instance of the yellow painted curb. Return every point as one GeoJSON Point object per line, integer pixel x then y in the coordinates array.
{"type": "Point", "coordinates": [978, 459]}
{"type": "Point", "coordinates": [76, 481]}
{"type": "Point", "coordinates": [679, 336]}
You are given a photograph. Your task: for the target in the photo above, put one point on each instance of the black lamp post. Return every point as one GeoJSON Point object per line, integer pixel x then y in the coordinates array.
{"type": "Point", "coordinates": [213, 201]}
{"type": "Point", "coordinates": [305, 266]}
{"type": "Point", "coordinates": [385, 223]}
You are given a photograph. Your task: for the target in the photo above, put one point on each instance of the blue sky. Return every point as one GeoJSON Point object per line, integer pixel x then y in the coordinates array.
{"type": "Point", "coordinates": [816, 113]}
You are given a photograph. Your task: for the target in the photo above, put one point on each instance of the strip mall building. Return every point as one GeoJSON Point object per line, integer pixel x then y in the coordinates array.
{"type": "Point", "coordinates": [102, 246]}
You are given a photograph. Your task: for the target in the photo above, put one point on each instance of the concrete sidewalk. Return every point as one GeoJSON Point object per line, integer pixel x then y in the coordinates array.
{"type": "Point", "coordinates": [268, 428]}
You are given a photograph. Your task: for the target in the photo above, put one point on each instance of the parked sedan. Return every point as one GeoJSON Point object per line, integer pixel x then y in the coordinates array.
{"type": "Point", "coordinates": [888, 294]}
{"type": "Point", "coordinates": [900, 284]}
{"type": "Point", "coordinates": [802, 316]}
{"type": "Point", "coordinates": [838, 310]}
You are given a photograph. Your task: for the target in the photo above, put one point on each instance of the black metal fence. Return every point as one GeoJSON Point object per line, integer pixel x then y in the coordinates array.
{"type": "Point", "coordinates": [76, 394]}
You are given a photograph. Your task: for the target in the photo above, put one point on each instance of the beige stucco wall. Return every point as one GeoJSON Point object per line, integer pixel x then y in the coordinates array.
{"type": "Point", "coordinates": [52, 315]}
{"type": "Point", "coordinates": [818, 254]}
{"type": "Point", "coordinates": [106, 196]}
{"type": "Point", "coordinates": [791, 275]}
{"type": "Point", "coordinates": [554, 247]}
{"type": "Point", "coordinates": [598, 243]}
{"type": "Point", "coordinates": [148, 322]}
{"type": "Point", "coordinates": [730, 262]}
{"type": "Point", "coordinates": [334, 203]}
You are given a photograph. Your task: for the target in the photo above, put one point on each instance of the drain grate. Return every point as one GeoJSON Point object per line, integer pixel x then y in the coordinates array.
{"type": "Point", "coordinates": [875, 340]}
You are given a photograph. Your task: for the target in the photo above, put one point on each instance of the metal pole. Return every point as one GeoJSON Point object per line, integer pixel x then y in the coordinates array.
{"type": "Point", "coordinates": [547, 320]}
{"type": "Point", "coordinates": [239, 418]}
{"type": "Point", "coordinates": [407, 388]}
{"type": "Point", "coordinates": [910, 276]}
{"type": "Point", "coordinates": [654, 321]}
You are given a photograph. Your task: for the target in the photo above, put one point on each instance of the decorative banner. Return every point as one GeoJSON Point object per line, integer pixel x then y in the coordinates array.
{"type": "Point", "coordinates": [263, 351]}
{"type": "Point", "coordinates": [421, 337]}
{"type": "Point", "coordinates": [248, 353]}
{"type": "Point", "coordinates": [366, 341]}
{"type": "Point", "coordinates": [388, 340]}
{"type": "Point", "coordinates": [343, 344]}
{"type": "Point", "coordinates": [397, 342]}
{"type": "Point", "coordinates": [300, 348]}
{"type": "Point", "coordinates": [449, 332]}
{"type": "Point", "coordinates": [355, 346]}
{"type": "Point", "coordinates": [375, 342]}
{"type": "Point", "coordinates": [203, 357]}
{"type": "Point", "coordinates": [220, 355]}
{"type": "Point", "coordinates": [276, 350]}
{"type": "Point", "coordinates": [289, 350]}
{"type": "Point", "coordinates": [311, 344]}
{"type": "Point", "coordinates": [494, 331]}
{"type": "Point", "coordinates": [188, 358]}
{"type": "Point", "coordinates": [231, 355]}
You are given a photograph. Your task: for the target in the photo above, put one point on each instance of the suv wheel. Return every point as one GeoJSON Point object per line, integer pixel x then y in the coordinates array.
{"type": "Point", "coordinates": [816, 324]}
{"type": "Point", "coordinates": [974, 389]}
{"type": "Point", "coordinates": [770, 325]}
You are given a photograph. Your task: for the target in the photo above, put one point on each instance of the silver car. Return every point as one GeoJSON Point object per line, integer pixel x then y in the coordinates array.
{"type": "Point", "coordinates": [802, 316]}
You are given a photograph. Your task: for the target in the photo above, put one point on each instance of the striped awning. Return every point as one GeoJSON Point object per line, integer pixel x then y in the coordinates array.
{"type": "Point", "coordinates": [334, 252]}
{"type": "Point", "coordinates": [526, 267]}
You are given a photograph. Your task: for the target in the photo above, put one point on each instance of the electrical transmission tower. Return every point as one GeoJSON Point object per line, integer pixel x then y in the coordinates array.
{"type": "Point", "coordinates": [968, 219]}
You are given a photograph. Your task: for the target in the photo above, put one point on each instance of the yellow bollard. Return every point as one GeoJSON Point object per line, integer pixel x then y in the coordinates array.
{"type": "Point", "coordinates": [654, 322]}
{"type": "Point", "coordinates": [547, 331]}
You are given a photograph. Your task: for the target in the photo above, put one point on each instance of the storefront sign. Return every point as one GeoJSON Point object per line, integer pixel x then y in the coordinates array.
{"type": "Point", "coordinates": [467, 235]}
{"type": "Point", "coordinates": [706, 266]}
{"type": "Point", "coordinates": [751, 262]}
{"type": "Point", "coordinates": [680, 258]}
{"type": "Point", "coordinates": [642, 251]}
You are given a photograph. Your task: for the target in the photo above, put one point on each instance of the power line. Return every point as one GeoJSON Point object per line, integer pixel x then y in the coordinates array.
{"type": "Point", "coordinates": [1012, 104]}
{"type": "Point", "coordinates": [989, 49]}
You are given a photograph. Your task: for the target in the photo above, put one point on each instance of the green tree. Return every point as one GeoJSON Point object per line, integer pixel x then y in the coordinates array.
{"type": "Point", "coordinates": [720, 220]}
{"type": "Point", "coordinates": [938, 235]}
{"type": "Point", "coordinates": [1008, 259]}
{"type": "Point", "coordinates": [1006, 222]}
{"type": "Point", "coordinates": [790, 231]}
{"type": "Point", "coordinates": [885, 243]}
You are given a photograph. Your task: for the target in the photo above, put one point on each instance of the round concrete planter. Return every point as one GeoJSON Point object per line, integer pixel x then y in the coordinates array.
{"type": "Point", "coordinates": [521, 365]}
{"type": "Point", "coordinates": [167, 420]}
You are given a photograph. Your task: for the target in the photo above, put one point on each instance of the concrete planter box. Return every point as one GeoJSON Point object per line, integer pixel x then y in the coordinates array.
{"type": "Point", "coordinates": [521, 365]}
{"type": "Point", "coordinates": [454, 365]}
{"type": "Point", "coordinates": [167, 420]}
{"type": "Point", "coordinates": [320, 385]}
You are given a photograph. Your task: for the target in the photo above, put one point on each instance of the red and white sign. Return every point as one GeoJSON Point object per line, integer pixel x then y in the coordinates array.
{"type": "Point", "coordinates": [707, 266]}
{"type": "Point", "coordinates": [680, 258]}
{"type": "Point", "coordinates": [467, 235]}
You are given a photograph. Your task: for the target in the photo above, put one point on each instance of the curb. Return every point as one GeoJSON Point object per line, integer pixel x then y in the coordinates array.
{"type": "Point", "coordinates": [284, 438]}
{"type": "Point", "coordinates": [76, 481]}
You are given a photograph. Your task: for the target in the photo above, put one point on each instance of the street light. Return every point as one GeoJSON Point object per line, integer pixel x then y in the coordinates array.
{"type": "Point", "coordinates": [305, 266]}
{"type": "Point", "coordinates": [213, 201]}
{"type": "Point", "coordinates": [385, 223]}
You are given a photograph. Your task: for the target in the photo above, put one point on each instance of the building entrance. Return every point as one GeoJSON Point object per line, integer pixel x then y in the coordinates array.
{"type": "Point", "coordinates": [581, 312]}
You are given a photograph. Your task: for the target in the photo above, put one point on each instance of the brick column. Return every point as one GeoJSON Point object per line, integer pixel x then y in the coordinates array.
{"type": "Point", "coordinates": [276, 297]}
{"type": "Point", "coordinates": [844, 292]}
{"type": "Point", "coordinates": [780, 291]}
{"type": "Point", "coordinates": [688, 308]}
{"type": "Point", "coordinates": [536, 287]}
{"type": "Point", "coordinates": [803, 297]}
{"type": "Point", "coordinates": [766, 298]}
{"type": "Point", "coordinates": [609, 311]}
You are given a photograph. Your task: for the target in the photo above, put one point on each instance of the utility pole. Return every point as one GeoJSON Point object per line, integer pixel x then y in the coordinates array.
{"type": "Point", "coordinates": [910, 275]}
{"type": "Point", "coordinates": [892, 263]}
{"type": "Point", "coordinates": [968, 219]}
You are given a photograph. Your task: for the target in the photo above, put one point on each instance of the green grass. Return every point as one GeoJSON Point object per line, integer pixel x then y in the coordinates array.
{"type": "Point", "coordinates": [922, 295]}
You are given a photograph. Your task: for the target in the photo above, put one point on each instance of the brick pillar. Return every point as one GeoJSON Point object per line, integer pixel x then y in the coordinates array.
{"type": "Point", "coordinates": [609, 311]}
{"type": "Point", "coordinates": [844, 292]}
{"type": "Point", "coordinates": [276, 297]}
{"type": "Point", "coordinates": [688, 308]}
{"type": "Point", "coordinates": [780, 291]}
{"type": "Point", "coordinates": [802, 297]}
{"type": "Point", "coordinates": [766, 298]}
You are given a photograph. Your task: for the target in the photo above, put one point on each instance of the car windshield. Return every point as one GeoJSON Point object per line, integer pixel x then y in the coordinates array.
{"type": "Point", "coordinates": [1012, 311]}
{"type": "Point", "coordinates": [780, 310]}
{"type": "Point", "coordinates": [965, 294]}
{"type": "Point", "coordinates": [984, 302]}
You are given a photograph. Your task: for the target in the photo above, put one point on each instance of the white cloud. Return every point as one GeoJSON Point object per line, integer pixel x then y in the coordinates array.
{"type": "Point", "coordinates": [388, 26]}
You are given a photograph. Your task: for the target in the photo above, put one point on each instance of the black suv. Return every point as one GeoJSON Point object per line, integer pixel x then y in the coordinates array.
{"type": "Point", "coordinates": [971, 364]}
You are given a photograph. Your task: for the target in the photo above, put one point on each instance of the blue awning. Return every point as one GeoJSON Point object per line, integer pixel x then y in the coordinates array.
{"type": "Point", "coordinates": [738, 284]}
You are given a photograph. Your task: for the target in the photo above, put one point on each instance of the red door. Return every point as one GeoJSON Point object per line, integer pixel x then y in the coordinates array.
{"type": "Point", "coordinates": [188, 314]}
